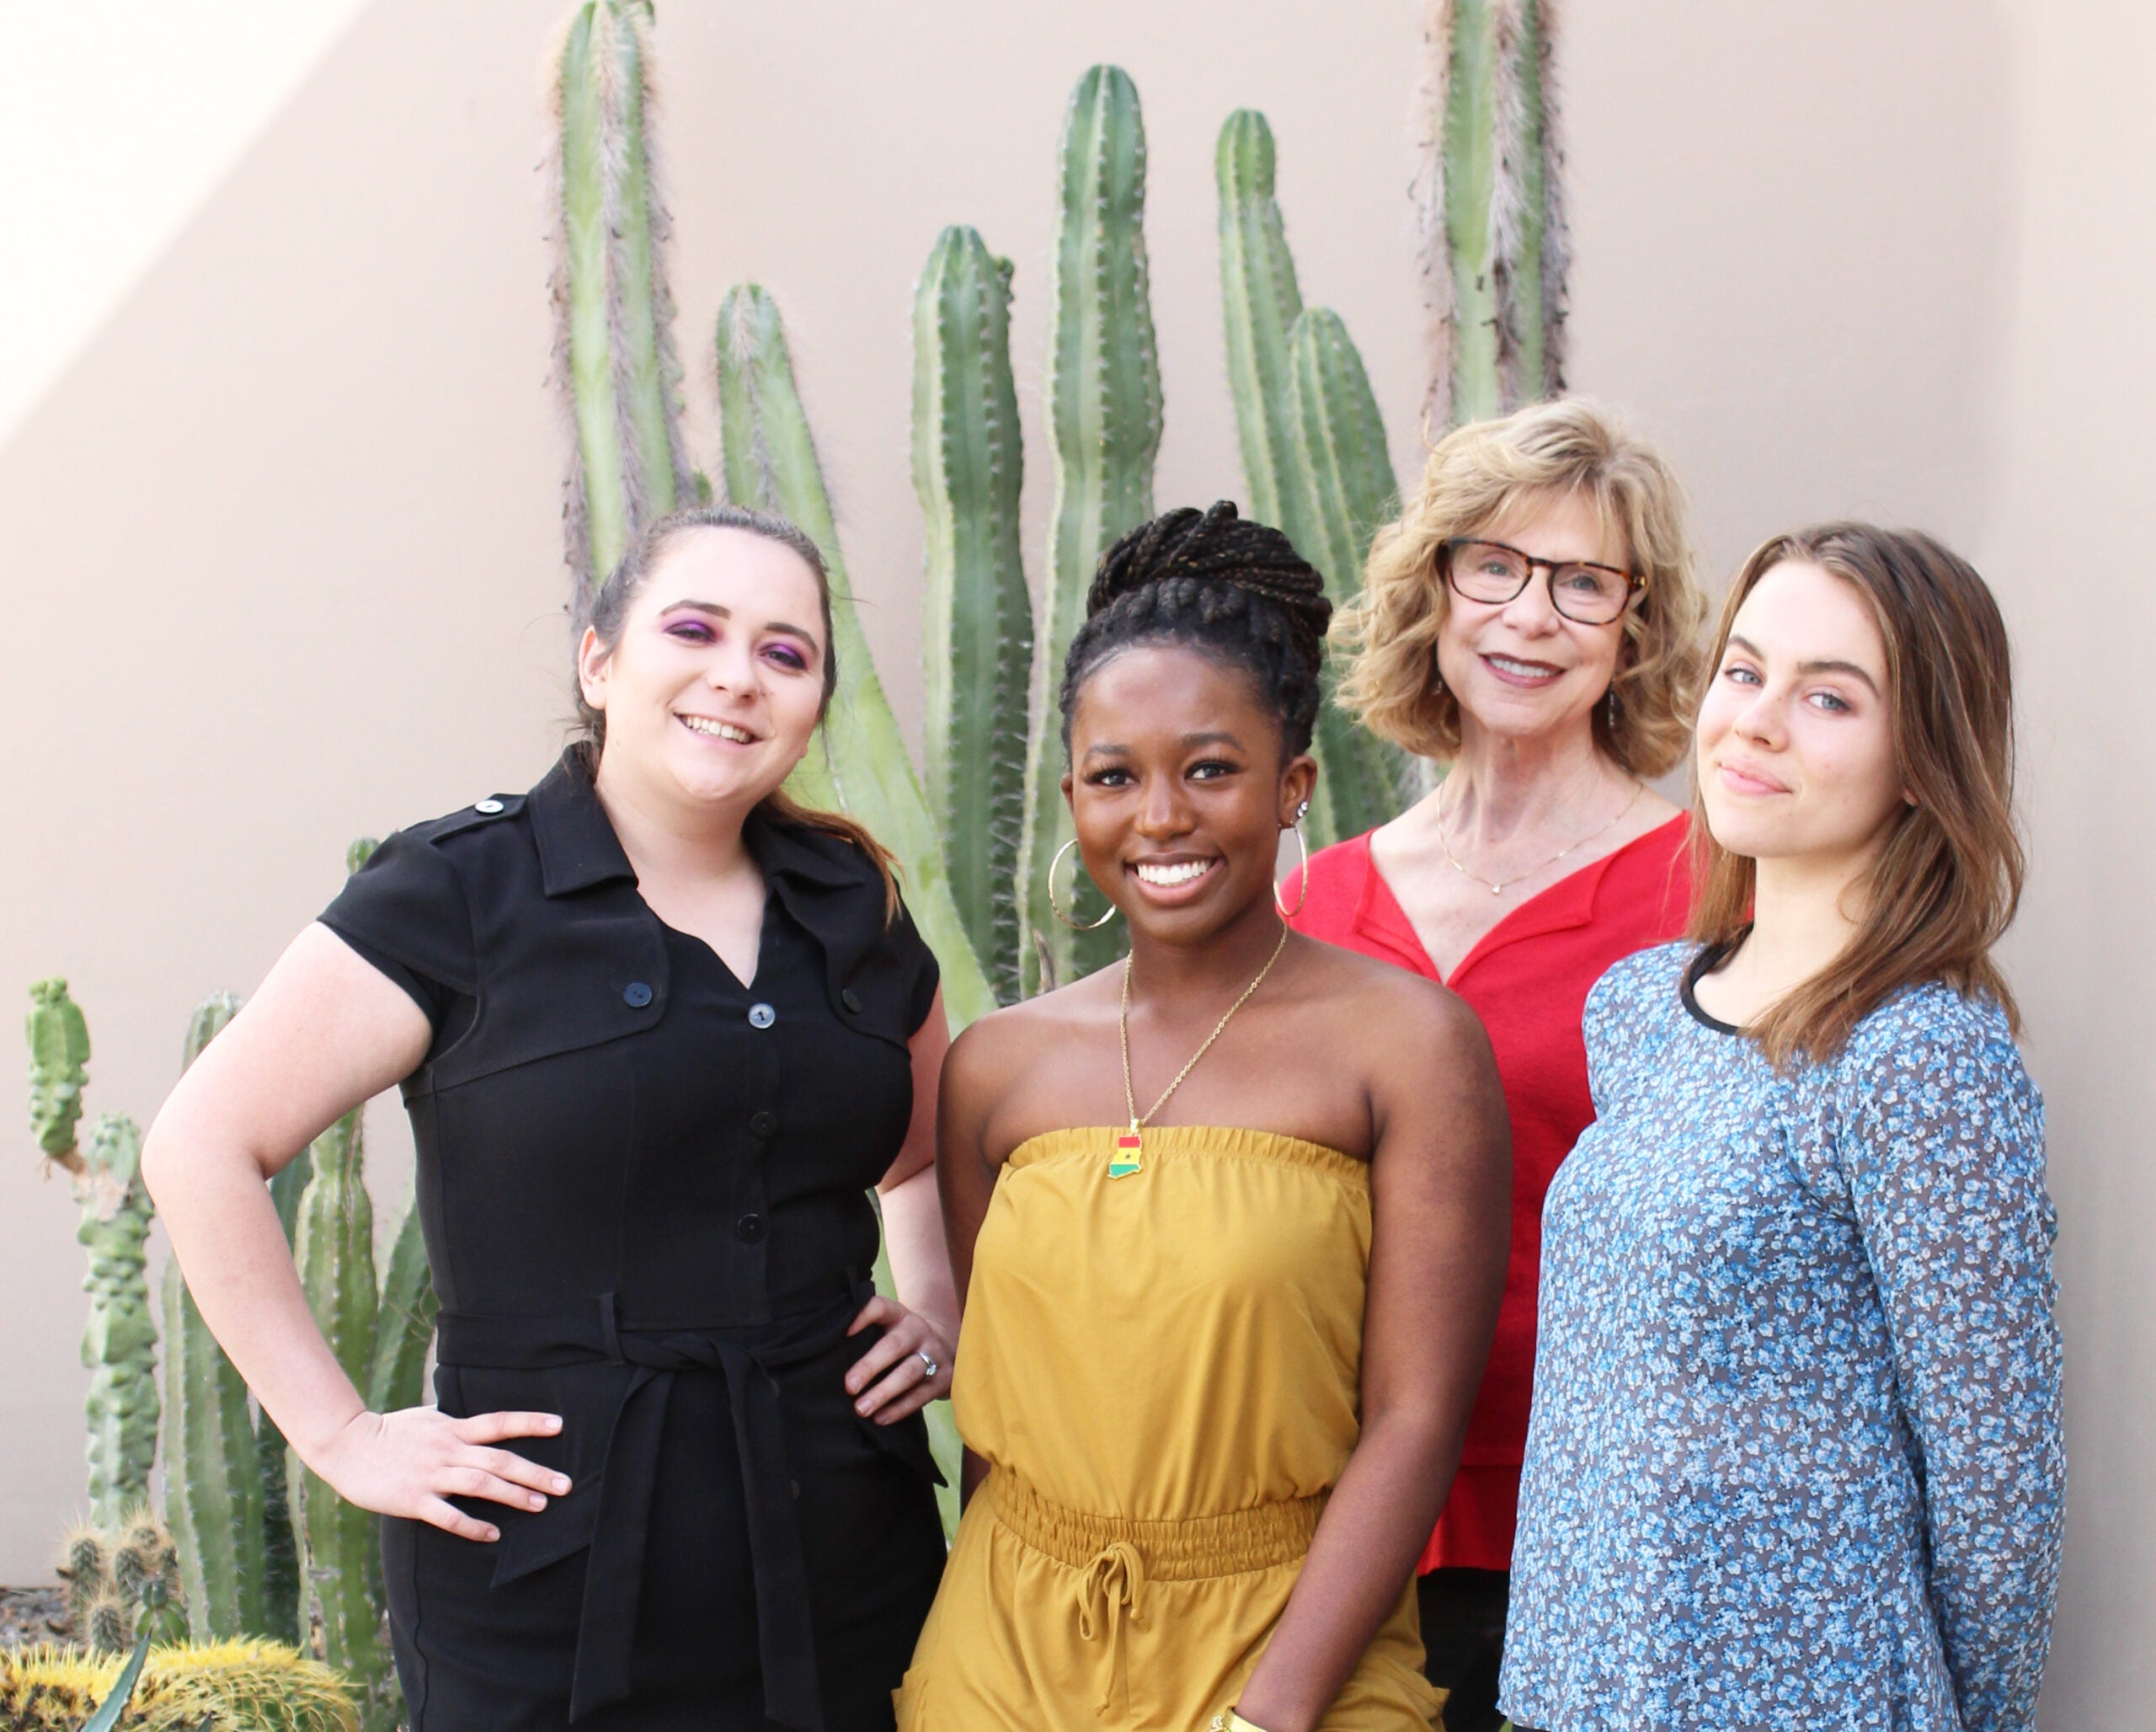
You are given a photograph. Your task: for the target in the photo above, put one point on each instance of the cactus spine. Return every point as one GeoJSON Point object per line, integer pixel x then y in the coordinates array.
{"type": "Point", "coordinates": [1314, 450]}
{"type": "Point", "coordinates": [613, 347]}
{"type": "Point", "coordinates": [1104, 409]}
{"type": "Point", "coordinates": [968, 464]}
{"type": "Point", "coordinates": [1489, 195]}
{"type": "Point", "coordinates": [859, 761]}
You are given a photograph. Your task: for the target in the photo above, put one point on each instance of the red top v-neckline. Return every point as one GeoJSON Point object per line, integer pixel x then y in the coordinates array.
{"type": "Point", "coordinates": [1528, 978]}
{"type": "Point", "coordinates": [1568, 902]}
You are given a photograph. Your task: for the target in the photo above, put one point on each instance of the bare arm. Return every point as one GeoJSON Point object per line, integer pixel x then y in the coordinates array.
{"type": "Point", "coordinates": [326, 1032]}
{"type": "Point", "coordinates": [1441, 1189]}
{"type": "Point", "coordinates": [965, 1178]}
{"type": "Point", "coordinates": [924, 1318]}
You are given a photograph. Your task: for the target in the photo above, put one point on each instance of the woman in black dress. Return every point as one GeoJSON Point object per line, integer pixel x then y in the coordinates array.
{"type": "Point", "coordinates": [658, 1030]}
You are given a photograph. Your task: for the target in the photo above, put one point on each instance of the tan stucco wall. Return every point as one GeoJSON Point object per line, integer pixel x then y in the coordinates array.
{"type": "Point", "coordinates": [282, 543]}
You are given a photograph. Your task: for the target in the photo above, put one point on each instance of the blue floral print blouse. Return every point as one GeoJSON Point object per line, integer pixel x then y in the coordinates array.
{"type": "Point", "coordinates": [1794, 1459]}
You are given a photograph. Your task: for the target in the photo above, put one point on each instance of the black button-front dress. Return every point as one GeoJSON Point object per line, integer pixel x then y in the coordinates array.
{"type": "Point", "coordinates": [643, 1187]}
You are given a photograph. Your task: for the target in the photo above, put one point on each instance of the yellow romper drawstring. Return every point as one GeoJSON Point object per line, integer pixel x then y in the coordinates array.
{"type": "Point", "coordinates": [1116, 1578]}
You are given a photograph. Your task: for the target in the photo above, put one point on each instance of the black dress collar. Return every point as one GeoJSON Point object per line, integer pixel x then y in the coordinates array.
{"type": "Point", "coordinates": [578, 847]}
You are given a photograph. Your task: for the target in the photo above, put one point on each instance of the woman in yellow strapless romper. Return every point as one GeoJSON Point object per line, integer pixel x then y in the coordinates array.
{"type": "Point", "coordinates": [1212, 1381]}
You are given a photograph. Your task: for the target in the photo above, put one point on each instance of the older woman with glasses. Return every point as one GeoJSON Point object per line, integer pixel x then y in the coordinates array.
{"type": "Point", "coordinates": [1530, 622]}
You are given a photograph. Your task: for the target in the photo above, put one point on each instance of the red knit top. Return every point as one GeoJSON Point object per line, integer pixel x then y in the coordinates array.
{"type": "Point", "coordinates": [1527, 978]}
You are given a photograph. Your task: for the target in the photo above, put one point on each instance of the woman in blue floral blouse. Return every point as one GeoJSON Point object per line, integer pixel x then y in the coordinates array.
{"type": "Point", "coordinates": [1794, 1459]}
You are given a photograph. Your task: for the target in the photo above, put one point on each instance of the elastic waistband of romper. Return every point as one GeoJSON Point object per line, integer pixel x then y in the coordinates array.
{"type": "Point", "coordinates": [1203, 1546]}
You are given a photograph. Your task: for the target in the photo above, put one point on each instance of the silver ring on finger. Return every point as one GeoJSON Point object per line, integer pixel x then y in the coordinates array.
{"type": "Point", "coordinates": [932, 1367]}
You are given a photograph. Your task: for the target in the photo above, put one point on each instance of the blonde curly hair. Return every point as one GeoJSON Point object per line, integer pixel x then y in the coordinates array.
{"type": "Point", "coordinates": [1476, 476]}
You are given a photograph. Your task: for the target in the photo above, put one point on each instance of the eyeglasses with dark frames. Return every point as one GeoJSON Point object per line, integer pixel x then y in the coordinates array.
{"type": "Point", "coordinates": [1491, 572]}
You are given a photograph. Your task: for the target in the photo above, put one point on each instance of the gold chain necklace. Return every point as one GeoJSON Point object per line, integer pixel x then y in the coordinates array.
{"type": "Point", "coordinates": [1498, 889]}
{"type": "Point", "coordinates": [1129, 1156]}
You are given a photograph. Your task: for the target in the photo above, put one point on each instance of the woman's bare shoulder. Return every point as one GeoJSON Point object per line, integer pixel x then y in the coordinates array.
{"type": "Point", "coordinates": [1391, 1007]}
{"type": "Point", "coordinates": [996, 1049]}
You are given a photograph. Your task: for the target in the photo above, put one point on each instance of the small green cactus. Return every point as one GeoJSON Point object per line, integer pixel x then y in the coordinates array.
{"type": "Point", "coordinates": [1104, 419]}
{"type": "Point", "coordinates": [60, 1053]}
{"type": "Point", "coordinates": [121, 1344]}
{"type": "Point", "coordinates": [123, 1582]}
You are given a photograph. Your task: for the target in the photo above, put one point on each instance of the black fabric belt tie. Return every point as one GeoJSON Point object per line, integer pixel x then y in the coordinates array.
{"type": "Point", "coordinates": [748, 1359]}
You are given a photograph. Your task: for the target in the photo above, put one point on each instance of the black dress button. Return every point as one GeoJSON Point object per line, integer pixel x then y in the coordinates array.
{"type": "Point", "coordinates": [852, 1000]}
{"type": "Point", "coordinates": [748, 1229]}
{"type": "Point", "coordinates": [636, 995]}
{"type": "Point", "coordinates": [761, 1016]}
{"type": "Point", "coordinates": [763, 1123]}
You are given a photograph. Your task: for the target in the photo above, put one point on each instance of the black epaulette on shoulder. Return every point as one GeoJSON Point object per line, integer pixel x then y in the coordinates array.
{"type": "Point", "coordinates": [491, 809]}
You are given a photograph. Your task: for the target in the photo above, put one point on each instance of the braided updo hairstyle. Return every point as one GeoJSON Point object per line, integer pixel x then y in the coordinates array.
{"type": "Point", "coordinates": [1233, 589]}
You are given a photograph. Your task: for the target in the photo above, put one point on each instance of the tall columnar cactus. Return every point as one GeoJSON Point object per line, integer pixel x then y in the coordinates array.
{"type": "Point", "coordinates": [341, 1579]}
{"type": "Point", "coordinates": [120, 1345]}
{"type": "Point", "coordinates": [1104, 415]}
{"type": "Point", "coordinates": [60, 1056]}
{"type": "Point", "coordinates": [1261, 300]}
{"type": "Point", "coordinates": [213, 1480]}
{"type": "Point", "coordinates": [859, 761]}
{"type": "Point", "coordinates": [1315, 460]}
{"type": "Point", "coordinates": [1341, 458]}
{"type": "Point", "coordinates": [978, 635]}
{"type": "Point", "coordinates": [1489, 195]}
{"type": "Point", "coordinates": [614, 358]}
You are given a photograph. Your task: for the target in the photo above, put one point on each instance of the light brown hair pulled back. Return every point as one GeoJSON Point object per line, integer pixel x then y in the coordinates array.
{"type": "Point", "coordinates": [1946, 884]}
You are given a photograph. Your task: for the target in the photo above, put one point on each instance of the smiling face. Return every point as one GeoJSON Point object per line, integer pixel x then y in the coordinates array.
{"type": "Point", "coordinates": [1796, 748]}
{"type": "Point", "coordinates": [1178, 789]}
{"type": "Point", "coordinates": [1520, 669]}
{"type": "Point", "coordinates": [714, 686]}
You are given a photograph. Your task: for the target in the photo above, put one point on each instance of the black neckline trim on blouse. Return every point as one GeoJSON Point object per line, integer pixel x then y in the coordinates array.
{"type": "Point", "coordinates": [1710, 957]}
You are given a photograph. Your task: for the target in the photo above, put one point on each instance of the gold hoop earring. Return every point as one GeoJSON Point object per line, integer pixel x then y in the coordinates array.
{"type": "Point", "coordinates": [1303, 848]}
{"type": "Point", "coordinates": [1076, 925]}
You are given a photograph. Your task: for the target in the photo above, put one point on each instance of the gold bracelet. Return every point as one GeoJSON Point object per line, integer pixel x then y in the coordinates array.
{"type": "Point", "coordinates": [1233, 1722]}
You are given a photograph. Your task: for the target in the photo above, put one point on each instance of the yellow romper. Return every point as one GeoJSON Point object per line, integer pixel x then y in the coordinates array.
{"type": "Point", "coordinates": [1162, 1373]}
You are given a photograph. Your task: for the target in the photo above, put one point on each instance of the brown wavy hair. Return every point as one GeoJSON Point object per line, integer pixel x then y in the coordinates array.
{"type": "Point", "coordinates": [1949, 878]}
{"type": "Point", "coordinates": [1478, 474]}
{"type": "Point", "coordinates": [609, 609]}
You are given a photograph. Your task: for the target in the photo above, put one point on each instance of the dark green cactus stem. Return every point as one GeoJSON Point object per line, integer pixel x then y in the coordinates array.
{"type": "Point", "coordinates": [120, 1345]}
{"type": "Point", "coordinates": [213, 1479]}
{"type": "Point", "coordinates": [60, 1053]}
{"type": "Point", "coordinates": [1491, 196]}
{"type": "Point", "coordinates": [1341, 454]}
{"type": "Point", "coordinates": [404, 1323]}
{"type": "Point", "coordinates": [1536, 318]}
{"type": "Point", "coordinates": [614, 353]}
{"type": "Point", "coordinates": [1469, 130]}
{"type": "Point", "coordinates": [977, 637]}
{"type": "Point", "coordinates": [859, 762]}
{"type": "Point", "coordinates": [214, 1485]}
{"type": "Point", "coordinates": [1261, 300]}
{"type": "Point", "coordinates": [341, 1582]}
{"type": "Point", "coordinates": [1104, 414]}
